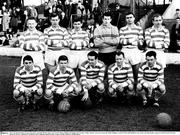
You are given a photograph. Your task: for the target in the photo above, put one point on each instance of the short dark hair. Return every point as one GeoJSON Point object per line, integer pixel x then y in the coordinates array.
{"type": "Point", "coordinates": [177, 9]}
{"type": "Point", "coordinates": [27, 57]}
{"type": "Point", "coordinates": [107, 14]}
{"type": "Point", "coordinates": [93, 53]}
{"type": "Point", "coordinates": [151, 53]}
{"type": "Point", "coordinates": [118, 53]}
{"type": "Point", "coordinates": [53, 15]}
{"type": "Point", "coordinates": [77, 19]}
{"type": "Point", "coordinates": [130, 13]}
{"type": "Point", "coordinates": [156, 15]}
{"type": "Point", "coordinates": [31, 18]}
{"type": "Point", "coordinates": [63, 58]}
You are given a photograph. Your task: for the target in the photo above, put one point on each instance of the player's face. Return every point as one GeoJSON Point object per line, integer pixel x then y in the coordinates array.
{"type": "Point", "coordinates": [151, 60]}
{"type": "Point", "coordinates": [119, 60]}
{"type": "Point", "coordinates": [55, 21]}
{"type": "Point", "coordinates": [157, 21]}
{"type": "Point", "coordinates": [77, 25]}
{"type": "Point", "coordinates": [107, 20]}
{"type": "Point", "coordinates": [92, 60]}
{"type": "Point", "coordinates": [28, 65]}
{"type": "Point", "coordinates": [31, 24]}
{"type": "Point", "coordinates": [63, 64]}
{"type": "Point", "coordinates": [130, 19]}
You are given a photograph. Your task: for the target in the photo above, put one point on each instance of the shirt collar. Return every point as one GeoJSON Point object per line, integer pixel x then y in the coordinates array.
{"type": "Point", "coordinates": [58, 27]}
{"type": "Point", "coordinates": [34, 31]}
{"type": "Point", "coordinates": [132, 26]}
{"type": "Point", "coordinates": [106, 26]}
{"type": "Point", "coordinates": [151, 67]}
{"type": "Point", "coordinates": [26, 70]}
{"type": "Point", "coordinates": [158, 29]}
{"type": "Point", "coordinates": [75, 31]}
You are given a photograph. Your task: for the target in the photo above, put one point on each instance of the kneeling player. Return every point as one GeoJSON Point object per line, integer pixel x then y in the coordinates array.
{"type": "Point", "coordinates": [151, 79]}
{"type": "Point", "coordinates": [92, 77]}
{"type": "Point", "coordinates": [28, 84]}
{"type": "Point", "coordinates": [61, 83]}
{"type": "Point", "coordinates": [120, 77]}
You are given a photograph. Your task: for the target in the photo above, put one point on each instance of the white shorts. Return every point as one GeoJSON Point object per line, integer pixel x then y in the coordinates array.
{"type": "Point", "coordinates": [132, 55]}
{"type": "Point", "coordinates": [38, 58]}
{"type": "Point", "coordinates": [161, 56]}
{"type": "Point", "coordinates": [76, 57]}
{"type": "Point", "coordinates": [51, 56]}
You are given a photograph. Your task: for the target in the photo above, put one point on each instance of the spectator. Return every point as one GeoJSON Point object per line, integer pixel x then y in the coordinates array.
{"type": "Point", "coordinates": [5, 21]}
{"type": "Point", "coordinates": [64, 22]}
{"type": "Point", "coordinates": [97, 13]}
{"type": "Point", "coordinates": [175, 37]}
{"type": "Point", "coordinates": [88, 6]}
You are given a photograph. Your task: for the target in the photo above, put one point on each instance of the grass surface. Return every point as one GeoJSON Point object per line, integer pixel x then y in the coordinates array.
{"type": "Point", "coordinates": [106, 117]}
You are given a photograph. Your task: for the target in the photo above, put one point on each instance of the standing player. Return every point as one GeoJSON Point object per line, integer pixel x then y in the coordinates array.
{"type": "Point", "coordinates": [32, 41]}
{"type": "Point", "coordinates": [157, 38]}
{"type": "Point", "coordinates": [56, 38]}
{"type": "Point", "coordinates": [120, 77]}
{"type": "Point", "coordinates": [78, 44]}
{"type": "Point", "coordinates": [61, 81]}
{"type": "Point", "coordinates": [131, 36]}
{"type": "Point", "coordinates": [28, 83]}
{"type": "Point", "coordinates": [92, 77]}
{"type": "Point", "coordinates": [151, 79]}
{"type": "Point", "coordinates": [106, 39]}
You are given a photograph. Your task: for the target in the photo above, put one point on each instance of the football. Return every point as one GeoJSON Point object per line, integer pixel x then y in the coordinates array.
{"type": "Point", "coordinates": [63, 106]}
{"type": "Point", "coordinates": [164, 120]}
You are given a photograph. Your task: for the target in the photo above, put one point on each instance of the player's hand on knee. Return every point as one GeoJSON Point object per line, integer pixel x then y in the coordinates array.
{"type": "Point", "coordinates": [85, 97]}
{"type": "Point", "coordinates": [64, 94]}
{"type": "Point", "coordinates": [88, 86]}
{"type": "Point", "coordinates": [146, 85]}
{"type": "Point", "coordinates": [154, 85]}
{"type": "Point", "coordinates": [120, 88]}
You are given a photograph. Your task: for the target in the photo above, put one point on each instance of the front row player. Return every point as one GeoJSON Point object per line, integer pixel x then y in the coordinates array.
{"type": "Point", "coordinates": [151, 79]}
{"type": "Point", "coordinates": [120, 78]}
{"type": "Point", "coordinates": [62, 82]}
{"type": "Point", "coordinates": [91, 81]}
{"type": "Point", "coordinates": [28, 83]}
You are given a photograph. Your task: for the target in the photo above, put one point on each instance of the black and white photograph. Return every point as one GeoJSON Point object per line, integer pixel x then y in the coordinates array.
{"type": "Point", "coordinates": [89, 67]}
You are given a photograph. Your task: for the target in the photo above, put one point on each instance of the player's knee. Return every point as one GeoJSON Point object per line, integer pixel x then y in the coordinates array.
{"type": "Point", "coordinates": [145, 85]}
{"type": "Point", "coordinates": [78, 89]}
{"type": "Point", "coordinates": [131, 87]}
{"type": "Point", "coordinates": [100, 88]}
{"type": "Point", "coordinates": [16, 93]}
{"type": "Point", "coordinates": [139, 87]}
{"type": "Point", "coordinates": [162, 88]}
{"type": "Point", "coordinates": [40, 92]}
{"type": "Point", "coordinates": [48, 94]}
{"type": "Point", "coordinates": [18, 96]}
